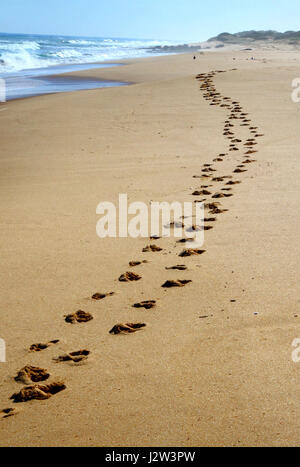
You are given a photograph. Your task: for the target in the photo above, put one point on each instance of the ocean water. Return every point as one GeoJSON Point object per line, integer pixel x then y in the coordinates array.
{"type": "Point", "coordinates": [22, 52]}
{"type": "Point", "coordinates": [28, 61]}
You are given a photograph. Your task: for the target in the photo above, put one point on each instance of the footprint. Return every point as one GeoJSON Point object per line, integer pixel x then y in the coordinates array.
{"type": "Point", "coordinates": [191, 252]}
{"type": "Point", "coordinates": [147, 304]}
{"type": "Point", "coordinates": [38, 392]}
{"type": "Point", "coordinates": [127, 328]}
{"type": "Point", "coordinates": [151, 248]}
{"type": "Point", "coordinates": [208, 170]}
{"type": "Point", "coordinates": [222, 195]}
{"type": "Point", "coordinates": [75, 357]}
{"type": "Point", "coordinates": [79, 317]}
{"type": "Point", "coordinates": [32, 374]}
{"type": "Point", "coordinates": [194, 228]}
{"type": "Point", "coordinates": [178, 267]}
{"type": "Point", "coordinates": [201, 193]}
{"type": "Point", "coordinates": [211, 205]}
{"type": "Point", "coordinates": [239, 171]}
{"type": "Point", "coordinates": [233, 183]}
{"type": "Point", "coordinates": [137, 263]}
{"type": "Point", "coordinates": [218, 179]}
{"type": "Point", "coordinates": [40, 347]}
{"type": "Point", "coordinates": [249, 161]}
{"type": "Point", "coordinates": [129, 277]}
{"type": "Point", "coordinates": [178, 283]}
{"type": "Point", "coordinates": [5, 413]}
{"type": "Point", "coordinates": [184, 240]}
{"type": "Point", "coordinates": [101, 296]}
{"type": "Point", "coordinates": [218, 211]}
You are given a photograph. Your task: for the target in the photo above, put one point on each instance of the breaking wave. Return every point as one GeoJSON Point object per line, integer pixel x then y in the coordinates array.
{"type": "Point", "coordinates": [23, 52]}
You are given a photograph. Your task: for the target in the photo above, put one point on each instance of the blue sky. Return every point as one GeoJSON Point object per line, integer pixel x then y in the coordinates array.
{"type": "Point", "coordinates": [189, 20]}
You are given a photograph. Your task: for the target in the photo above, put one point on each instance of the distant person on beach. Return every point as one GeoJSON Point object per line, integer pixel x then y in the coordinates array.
{"type": "Point", "coordinates": [194, 57]}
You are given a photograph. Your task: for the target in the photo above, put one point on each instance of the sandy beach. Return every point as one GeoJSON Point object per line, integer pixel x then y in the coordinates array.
{"type": "Point", "coordinates": [213, 366]}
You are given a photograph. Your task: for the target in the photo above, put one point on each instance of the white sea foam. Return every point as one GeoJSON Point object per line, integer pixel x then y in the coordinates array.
{"type": "Point", "coordinates": [81, 42]}
{"type": "Point", "coordinates": [23, 52]}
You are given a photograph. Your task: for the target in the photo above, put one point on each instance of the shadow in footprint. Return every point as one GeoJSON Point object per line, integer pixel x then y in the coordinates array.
{"type": "Point", "coordinates": [79, 317]}
{"type": "Point", "coordinates": [191, 252]}
{"type": "Point", "coordinates": [129, 277]}
{"type": "Point", "coordinates": [239, 171]}
{"type": "Point", "coordinates": [6, 413]}
{"type": "Point", "coordinates": [101, 296]}
{"type": "Point", "coordinates": [38, 392]}
{"type": "Point", "coordinates": [133, 264]}
{"type": "Point", "coordinates": [147, 304]}
{"type": "Point", "coordinates": [75, 357]}
{"type": "Point", "coordinates": [127, 328]}
{"type": "Point", "coordinates": [151, 248]}
{"type": "Point", "coordinates": [178, 283]}
{"type": "Point", "coordinates": [40, 347]}
{"type": "Point", "coordinates": [32, 374]}
{"type": "Point", "coordinates": [178, 267]}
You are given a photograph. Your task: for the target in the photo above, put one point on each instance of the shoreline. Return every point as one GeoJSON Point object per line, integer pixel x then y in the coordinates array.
{"type": "Point", "coordinates": [53, 80]}
{"type": "Point", "coordinates": [184, 380]}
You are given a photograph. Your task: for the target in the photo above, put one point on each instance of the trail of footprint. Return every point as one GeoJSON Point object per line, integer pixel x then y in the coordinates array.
{"type": "Point", "coordinates": [30, 374]}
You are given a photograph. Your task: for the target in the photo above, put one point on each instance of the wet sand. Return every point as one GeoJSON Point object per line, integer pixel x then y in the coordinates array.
{"type": "Point", "coordinates": [213, 365]}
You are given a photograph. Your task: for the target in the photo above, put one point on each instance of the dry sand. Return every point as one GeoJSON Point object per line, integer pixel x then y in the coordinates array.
{"type": "Point", "coordinates": [184, 380]}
